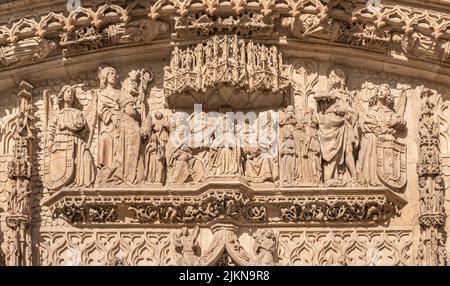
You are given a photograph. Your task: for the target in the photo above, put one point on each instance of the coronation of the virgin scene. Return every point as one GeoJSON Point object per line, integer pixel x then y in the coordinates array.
{"type": "Point", "coordinates": [224, 132]}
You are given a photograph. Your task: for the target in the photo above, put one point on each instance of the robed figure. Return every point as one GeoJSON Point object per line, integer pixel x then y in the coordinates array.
{"type": "Point", "coordinates": [379, 125]}
{"type": "Point", "coordinates": [128, 162]}
{"type": "Point", "coordinates": [68, 159]}
{"type": "Point", "coordinates": [338, 134]}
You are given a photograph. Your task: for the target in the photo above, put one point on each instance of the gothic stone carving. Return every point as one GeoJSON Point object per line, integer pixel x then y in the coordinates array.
{"type": "Point", "coordinates": [265, 246]}
{"type": "Point", "coordinates": [431, 186]}
{"type": "Point", "coordinates": [69, 160]}
{"type": "Point", "coordinates": [186, 247]}
{"type": "Point", "coordinates": [226, 64]}
{"type": "Point", "coordinates": [301, 247]}
{"type": "Point", "coordinates": [26, 51]}
{"type": "Point", "coordinates": [299, 206]}
{"type": "Point", "coordinates": [91, 38]}
{"type": "Point", "coordinates": [407, 30]}
{"type": "Point", "coordinates": [346, 247]}
{"type": "Point", "coordinates": [18, 218]}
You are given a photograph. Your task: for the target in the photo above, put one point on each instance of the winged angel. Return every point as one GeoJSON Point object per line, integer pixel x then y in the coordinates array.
{"type": "Point", "coordinates": [381, 157]}
{"type": "Point", "coordinates": [68, 160]}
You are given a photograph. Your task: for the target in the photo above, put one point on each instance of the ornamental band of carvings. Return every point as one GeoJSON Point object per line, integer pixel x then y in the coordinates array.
{"type": "Point", "coordinates": [182, 247]}
{"type": "Point", "coordinates": [405, 30]}
{"type": "Point", "coordinates": [360, 207]}
{"type": "Point", "coordinates": [431, 249]}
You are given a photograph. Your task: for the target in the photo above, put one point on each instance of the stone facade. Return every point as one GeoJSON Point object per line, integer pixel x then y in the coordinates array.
{"type": "Point", "coordinates": [242, 132]}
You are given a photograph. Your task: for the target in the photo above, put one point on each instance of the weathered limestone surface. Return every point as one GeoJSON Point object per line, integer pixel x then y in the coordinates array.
{"type": "Point", "coordinates": [249, 132]}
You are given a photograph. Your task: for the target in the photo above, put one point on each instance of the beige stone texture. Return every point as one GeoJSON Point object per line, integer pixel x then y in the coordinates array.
{"type": "Point", "coordinates": [323, 136]}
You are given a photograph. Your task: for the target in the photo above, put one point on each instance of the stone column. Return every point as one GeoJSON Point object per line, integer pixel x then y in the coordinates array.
{"type": "Point", "coordinates": [18, 219]}
{"type": "Point", "coordinates": [431, 248]}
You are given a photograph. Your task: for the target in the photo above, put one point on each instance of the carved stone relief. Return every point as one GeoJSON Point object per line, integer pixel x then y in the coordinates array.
{"type": "Point", "coordinates": [285, 139]}
{"type": "Point", "coordinates": [357, 248]}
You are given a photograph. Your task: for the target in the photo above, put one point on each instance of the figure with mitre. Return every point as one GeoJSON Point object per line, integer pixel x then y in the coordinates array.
{"type": "Point", "coordinates": [128, 162]}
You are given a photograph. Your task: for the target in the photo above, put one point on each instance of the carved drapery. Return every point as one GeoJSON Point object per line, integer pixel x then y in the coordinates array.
{"type": "Point", "coordinates": [107, 161]}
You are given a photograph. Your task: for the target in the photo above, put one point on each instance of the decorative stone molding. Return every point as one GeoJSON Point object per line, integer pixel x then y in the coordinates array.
{"type": "Point", "coordinates": [346, 247]}
{"type": "Point", "coordinates": [241, 204]}
{"type": "Point", "coordinates": [18, 219]}
{"type": "Point", "coordinates": [299, 247]}
{"type": "Point", "coordinates": [91, 172]}
{"type": "Point", "coordinates": [407, 30]}
{"type": "Point", "coordinates": [432, 248]}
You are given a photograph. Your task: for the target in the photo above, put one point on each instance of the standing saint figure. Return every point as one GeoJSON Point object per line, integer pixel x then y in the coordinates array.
{"type": "Point", "coordinates": [225, 154]}
{"type": "Point", "coordinates": [310, 152]}
{"type": "Point", "coordinates": [65, 134]}
{"type": "Point", "coordinates": [108, 110]}
{"type": "Point", "coordinates": [288, 161]}
{"type": "Point", "coordinates": [379, 122]}
{"type": "Point", "coordinates": [154, 161]}
{"type": "Point", "coordinates": [19, 198]}
{"type": "Point", "coordinates": [128, 164]}
{"type": "Point", "coordinates": [155, 150]}
{"type": "Point", "coordinates": [337, 130]}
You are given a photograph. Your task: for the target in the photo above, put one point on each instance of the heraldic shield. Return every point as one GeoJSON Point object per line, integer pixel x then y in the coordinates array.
{"type": "Point", "coordinates": [391, 163]}
{"type": "Point", "coordinates": [59, 164]}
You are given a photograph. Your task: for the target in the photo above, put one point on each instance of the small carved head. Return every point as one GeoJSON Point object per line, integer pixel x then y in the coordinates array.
{"type": "Point", "coordinates": [66, 95]}
{"type": "Point", "coordinates": [159, 115]}
{"type": "Point", "coordinates": [289, 110]}
{"type": "Point", "coordinates": [422, 181]}
{"type": "Point", "coordinates": [384, 95]}
{"type": "Point", "coordinates": [288, 135]}
{"type": "Point", "coordinates": [337, 78]}
{"type": "Point", "coordinates": [126, 104]}
{"type": "Point", "coordinates": [108, 77]}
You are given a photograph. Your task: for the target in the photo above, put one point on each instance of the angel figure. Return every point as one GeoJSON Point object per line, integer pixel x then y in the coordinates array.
{"type": "Point", "coordinates": [186, 246]}
{"type": "Point", "coordinates": [69, 160]}
{"type": "Point", "coordinates": [379, 123]}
